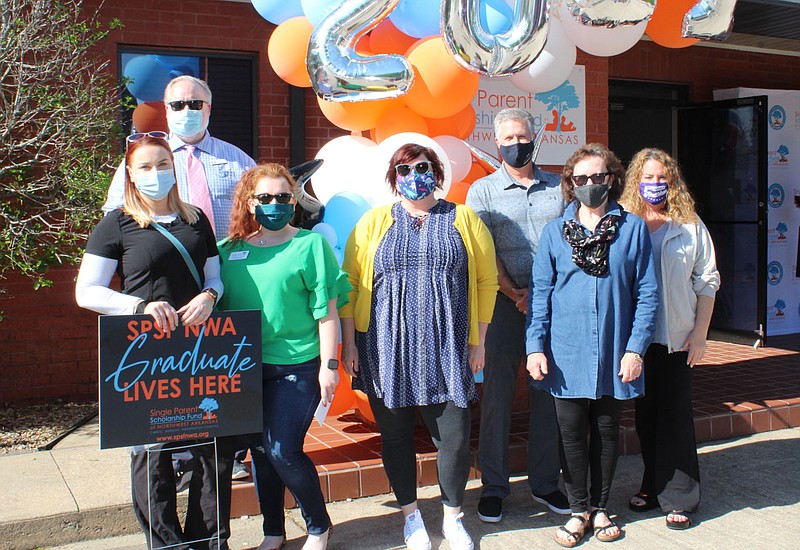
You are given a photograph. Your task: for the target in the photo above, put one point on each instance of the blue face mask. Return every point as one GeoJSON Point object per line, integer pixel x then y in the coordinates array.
{"type": "Point", "coordinates": [155, 184]}
{"type": "Point", "coordinates": [274, 216]}
{"type": "Point", "coordinates": [653, 192]}
{"type": "Point", "coordinates": [416, 186]}
{"type": "Point", "coordinates": [517, 154]}
{"type": "Point", "coordinates": [186, 123]}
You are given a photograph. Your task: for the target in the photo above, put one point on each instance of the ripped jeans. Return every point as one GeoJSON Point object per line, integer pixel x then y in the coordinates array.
{"type": "Point", "coordinates": [291, 395]}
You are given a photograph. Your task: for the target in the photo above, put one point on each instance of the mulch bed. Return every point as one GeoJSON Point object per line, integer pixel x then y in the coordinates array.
{"type": "Point", "coordinates": [29, 428]}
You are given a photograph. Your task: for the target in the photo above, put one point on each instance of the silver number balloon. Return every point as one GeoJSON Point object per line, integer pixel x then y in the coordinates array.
{"type": "Point", "coordinates": [709, 20]}
{"type": "Point", "coordinates": [611, 13]}
{"type": "Point", "coordinates": [338, 73]}
{"type": "Point", "coordinates": [494, 55]}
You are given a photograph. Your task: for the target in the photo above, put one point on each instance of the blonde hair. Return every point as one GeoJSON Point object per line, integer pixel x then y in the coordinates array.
{"type": "Point", "coordinates": [135, 206]}
{"type": "Point", "coordinates": [680, 203]}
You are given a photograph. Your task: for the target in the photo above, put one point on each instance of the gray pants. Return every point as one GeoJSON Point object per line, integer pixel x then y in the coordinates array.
{"type": "Point", "coordinates": [505, 349]}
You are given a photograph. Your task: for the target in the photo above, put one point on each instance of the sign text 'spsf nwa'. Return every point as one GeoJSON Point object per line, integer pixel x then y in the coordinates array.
{"type": "Point", "coordinates": [192, 383]}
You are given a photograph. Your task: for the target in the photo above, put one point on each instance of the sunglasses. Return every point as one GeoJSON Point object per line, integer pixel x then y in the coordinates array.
{"type": "Point", "coordinates": [597, 179]}
{"type": "Point", "coordinates": [281, 198]}
{"type": "Point", "coordinates": [419, 168]}
{"type": "Point", "coordinates": [194, 104]}
{"type": "Point", "coordinates": [157, 134]}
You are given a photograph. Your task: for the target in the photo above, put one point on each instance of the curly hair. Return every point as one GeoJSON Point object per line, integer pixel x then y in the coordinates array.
{"type": "Point", "coordinates": [680, 203]}
{"type": "Point", "coordinates": [409, 152]}
{"type": "Point", "coordinates": [613, 167]}
{"type": "Point", "coordinates": [134, 205]}
{"type": "Point", "coordinates": [243, 222]}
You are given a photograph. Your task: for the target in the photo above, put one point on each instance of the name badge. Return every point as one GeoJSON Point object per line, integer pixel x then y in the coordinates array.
{"type": "Point", "coordinates": [239, 255]}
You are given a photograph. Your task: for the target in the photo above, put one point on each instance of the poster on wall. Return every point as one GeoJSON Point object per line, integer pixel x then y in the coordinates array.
{"type": "Point", "coordinates": [561, 111]}
{"type": "Point", "coordinates": [191, 383]}
{"type": "Point", "coordinates": [783, 202]}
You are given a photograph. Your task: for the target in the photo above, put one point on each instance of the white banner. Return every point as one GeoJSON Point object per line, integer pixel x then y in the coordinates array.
{"type": "Point", "coordinates": [562, 112]}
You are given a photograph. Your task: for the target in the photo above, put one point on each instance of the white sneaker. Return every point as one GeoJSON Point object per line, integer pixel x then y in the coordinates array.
{"type": "Point", "coordinates": [414, 532]}
{"type": "Point", "coordinates": [453, 530]}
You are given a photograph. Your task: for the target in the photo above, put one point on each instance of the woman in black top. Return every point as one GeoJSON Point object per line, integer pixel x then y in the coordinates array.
{"type": "Point", "coordinates": [156, 280]}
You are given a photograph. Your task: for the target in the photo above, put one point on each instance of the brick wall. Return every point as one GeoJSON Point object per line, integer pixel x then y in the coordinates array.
{"type": "Point", "coordinates": [48, 344]}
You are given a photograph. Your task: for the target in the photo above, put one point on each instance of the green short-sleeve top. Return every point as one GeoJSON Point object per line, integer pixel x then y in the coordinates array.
{"type": "Point", "coordinates": [291, 284]}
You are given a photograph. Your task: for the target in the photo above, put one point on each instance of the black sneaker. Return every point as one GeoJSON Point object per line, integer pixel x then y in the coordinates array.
{"type": "Point", "coordinates": [556, 501]}
{"type": "Point", "coordinates": [490, 509]}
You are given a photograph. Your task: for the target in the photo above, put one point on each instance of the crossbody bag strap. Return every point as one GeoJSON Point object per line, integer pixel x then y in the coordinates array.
{"type": "Point", "coordinates": [184, 253]}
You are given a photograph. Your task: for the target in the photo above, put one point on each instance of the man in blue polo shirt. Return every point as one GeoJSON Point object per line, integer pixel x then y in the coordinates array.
{"type": "Point", "coordinates": [515, 203]}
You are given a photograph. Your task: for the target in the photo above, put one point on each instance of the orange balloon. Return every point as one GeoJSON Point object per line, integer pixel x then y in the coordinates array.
{"type": "Point", "coordinates": [665, 25]}
{"type": "Point", "coordinates": [397, 120]}
{"type": "Point", "coordinates": [475, 173]}
{"type": "Point", "coordinates": [459, 125]}
{"type": "Point", "coordinates": [386, 38]}
{"type": "Point", "coordinates": [458, 192]}
{"type": "Point", "coordinates": [358, 115]}
{"type": "Point", "coordinates": [441, 87]}
{"type": "Point", "coordinates": [150, 116]}
{"type": "Point", "coordinates": [287, 51]}
{"type": "Point", "coordinates": [363, 406]}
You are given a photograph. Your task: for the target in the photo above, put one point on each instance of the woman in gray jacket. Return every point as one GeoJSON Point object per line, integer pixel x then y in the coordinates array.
{"type": "Point", "coordinates": [688, 281]}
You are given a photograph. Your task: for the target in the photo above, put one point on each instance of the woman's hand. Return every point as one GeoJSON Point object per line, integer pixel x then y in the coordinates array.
{"type": "Point", "coordinates": [476, 355]}
{"type": "Point", "coordinates": [328, 380]}
{"type": "Point", "coordinates": [537, 365]}
{"type": "Point", "coordinates": [630, 367]}
{"type": "Point", "coordinates": [696, 346]}
{"type": "Point", "coordinates": [350, 358]}
{"type": "Point", "coordinates": [164, 315]}
{"type": "Point", "coordinates": [198, 310]}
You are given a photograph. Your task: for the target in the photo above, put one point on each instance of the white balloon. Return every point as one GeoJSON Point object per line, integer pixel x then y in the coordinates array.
{"type": "Point", "coordinates": [327, 231]}
{"type": "Point", "coordinates": [383, 154]}
{"type": "Point", "coordinates": [459, 155]}
{"type": "Point", "coordinates": [554, 64]}
{"type": "Point", "coordinates": [341, 171]}
{"type": "Point", "coordinates": [600, 41]}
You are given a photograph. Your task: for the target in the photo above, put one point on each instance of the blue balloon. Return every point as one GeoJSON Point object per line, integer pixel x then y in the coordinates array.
{"type": "Point", "coordinates": [496, 16]}
{"type": "Point", "coordinates": [417, 18]}
{"type": "Point", "coordinates": [277, 11]}
{"type": "Point", "coordinates": [148, 77]}
{"type": "Point", "coordinates": [343, 211]}
{"type": "Point", "coordinates": [317, 10]}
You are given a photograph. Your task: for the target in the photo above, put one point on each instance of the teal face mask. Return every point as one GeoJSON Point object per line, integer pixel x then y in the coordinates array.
{"type": "Point", "coordinates": [274, 216]}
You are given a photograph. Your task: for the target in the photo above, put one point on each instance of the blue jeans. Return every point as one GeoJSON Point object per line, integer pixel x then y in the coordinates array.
{"type": "Point", "coordinates": [291, 395]}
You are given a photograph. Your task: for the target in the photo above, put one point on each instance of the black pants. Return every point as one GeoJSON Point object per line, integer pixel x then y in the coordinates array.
{"type": "Point", "coordinates": [589, 433]}
{"type": "Point", "coordinates": [449, 427]}
{"type": "Point", "coordinates": [202, 513]}
{"type": "Point", "coordinates": [665, 425]}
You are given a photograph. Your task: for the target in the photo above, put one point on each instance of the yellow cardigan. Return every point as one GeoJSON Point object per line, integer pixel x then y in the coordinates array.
{"type": "Point", "coordinates": [359, 262]}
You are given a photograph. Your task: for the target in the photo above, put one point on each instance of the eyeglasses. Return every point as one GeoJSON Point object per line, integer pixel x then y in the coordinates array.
{"type": "Point", "coordinates": [419, 168]}
{"type": "Point", "coordinates": [597, 179]}
{"type": "Point", "coordinates": [157, 134]}
{"type": "Point", "coordinates": [281, 198]}
{"type": "Point", "coordinates": [194, 104]}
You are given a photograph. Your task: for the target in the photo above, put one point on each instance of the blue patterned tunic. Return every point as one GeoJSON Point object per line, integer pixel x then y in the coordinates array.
{"type": "Point", "coordinates": [415, 350]}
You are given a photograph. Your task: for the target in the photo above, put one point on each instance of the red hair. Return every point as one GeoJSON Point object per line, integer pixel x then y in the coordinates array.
{"type": "Point", "coordinates": [243, 222]}
{"type": "Point", "coordinates": [408, 152]}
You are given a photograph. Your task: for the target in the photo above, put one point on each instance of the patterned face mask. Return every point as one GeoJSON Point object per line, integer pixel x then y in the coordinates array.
{"type": "Point", "coordinates": [416, 186]}
{"type": "Point", "coordinates": [653, 192]}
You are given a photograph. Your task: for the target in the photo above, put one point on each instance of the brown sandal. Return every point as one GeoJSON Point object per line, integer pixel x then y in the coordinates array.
{"type": "Point", "coordinates": [577, 535]}
{"type": "Point", "coordinates": [600, 533]}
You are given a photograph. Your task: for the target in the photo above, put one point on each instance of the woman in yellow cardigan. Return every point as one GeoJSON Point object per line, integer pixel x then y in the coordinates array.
{"type": "Point", "coordinates": [424, 283]}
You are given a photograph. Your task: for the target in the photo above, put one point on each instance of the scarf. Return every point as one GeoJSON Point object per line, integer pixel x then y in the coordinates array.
{"type": "Point", "coordinates": [590, 252]}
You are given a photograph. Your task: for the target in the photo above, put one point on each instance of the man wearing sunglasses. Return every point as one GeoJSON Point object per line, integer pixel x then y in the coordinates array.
{"type": "Point", "coordinates": [515, 203]}
{"type": "Point", "coordinates": [207, 168]}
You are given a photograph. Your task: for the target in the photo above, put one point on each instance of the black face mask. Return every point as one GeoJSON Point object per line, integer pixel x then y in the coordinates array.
{"type": "Point", "coordinates": [518, 154]}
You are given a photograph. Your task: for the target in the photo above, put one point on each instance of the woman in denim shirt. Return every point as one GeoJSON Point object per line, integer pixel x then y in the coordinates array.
{"type": "Point", "coordinates": [592, 314]}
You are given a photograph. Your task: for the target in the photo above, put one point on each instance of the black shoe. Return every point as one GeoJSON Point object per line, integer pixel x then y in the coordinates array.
{"type": "Point", "coordinates": [490, 509]}
{"type": "Point", "coordinates": [556, 501]}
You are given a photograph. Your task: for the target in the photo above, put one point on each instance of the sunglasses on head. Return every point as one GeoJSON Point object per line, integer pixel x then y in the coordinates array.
{"type": "Point", "coordinates": [419, 168]}
{"type": "Point", "coordinates": [597, 179]}
{"type": "Point", "coordinates": [157, 134]}
{"type": "Point", "coordinates": [281, 198]}
{"type": "Point", "coordinates": [194, 104]}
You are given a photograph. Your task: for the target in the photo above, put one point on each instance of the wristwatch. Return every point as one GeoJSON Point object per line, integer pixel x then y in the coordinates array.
{"type": "Point", "coordinates": [635, 354]}
{"type": "Point", "coordinates": [333, 364]}
{"type": "Point", "coordinates": [213, 293]}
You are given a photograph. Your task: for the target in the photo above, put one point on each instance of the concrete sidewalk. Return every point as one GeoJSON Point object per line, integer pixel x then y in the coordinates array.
{"type": "Point", "coordinates": [751, 500]}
